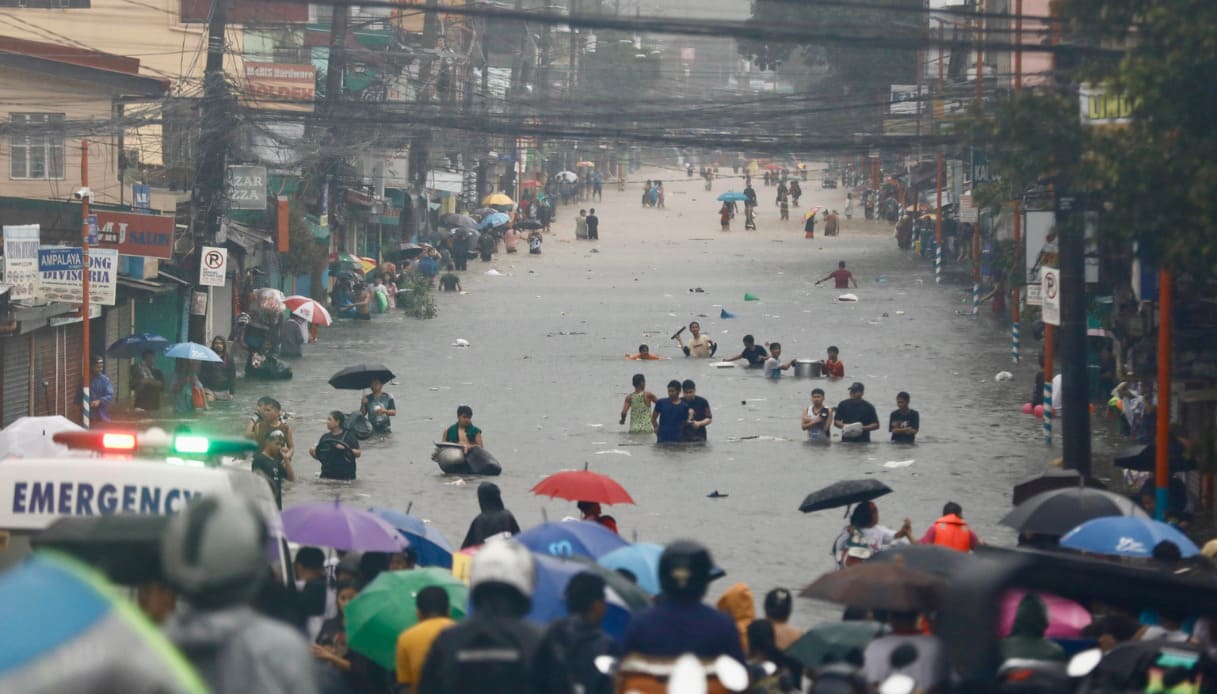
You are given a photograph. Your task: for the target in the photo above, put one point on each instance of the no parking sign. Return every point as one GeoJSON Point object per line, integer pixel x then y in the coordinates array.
{"type": "Point", "coordinates": [213, 266]}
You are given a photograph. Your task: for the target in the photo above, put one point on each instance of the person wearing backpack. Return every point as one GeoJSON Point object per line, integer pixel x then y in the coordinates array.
{"type": "Point", "coordinates": [864, 536]}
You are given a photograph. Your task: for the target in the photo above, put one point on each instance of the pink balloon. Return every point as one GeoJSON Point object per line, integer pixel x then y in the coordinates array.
{"type": "Point", "coordinates": [1039, 410]}
{"type": "Point", "coordinates": [1027, 409]}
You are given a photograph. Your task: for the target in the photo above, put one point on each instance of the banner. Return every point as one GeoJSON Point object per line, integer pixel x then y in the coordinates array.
{"type": "Point", "coordinates": [21, 261]}
{"type": "Point", "coordinates": [146, 235]}
{"type": "Point", "coordinates": [62, 279]}
{"type": "Point", "coordinates": [281, 87]}
{"type": "Point", "coordinates": [906, 99]}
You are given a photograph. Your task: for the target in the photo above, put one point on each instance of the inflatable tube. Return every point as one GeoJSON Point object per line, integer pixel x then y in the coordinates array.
{"type": "Point", "coordinates": [382, 302]}
{"type": "Point", "coordinates": [453, 461]}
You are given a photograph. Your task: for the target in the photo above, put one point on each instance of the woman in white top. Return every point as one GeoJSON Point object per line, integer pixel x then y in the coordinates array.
{"type": "Point", "coordinates": [864, 536]}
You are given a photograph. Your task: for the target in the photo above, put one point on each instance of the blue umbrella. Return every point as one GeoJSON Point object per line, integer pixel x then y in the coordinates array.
{"type": "Point", "coordinates": [136, 345]}
{"type": "Point", "coordinates": [428, 543]}
{"type": "Point", "coordinates": [642, 560]}
{"type": "Point", "coordinates": [732, 196]}
{"type": "Point", "coordinates": [192, 351]}
{"type": "Point", "coordinates": [494, 220]}
{"type": "Point", "coordinates": [568, 538]}
{"type": "Point", "coordinates": [66, 628]}
{"type": "Point", "coordinates": [548, 602]}
{"type": "Point", "coordinates": [1125, 536]}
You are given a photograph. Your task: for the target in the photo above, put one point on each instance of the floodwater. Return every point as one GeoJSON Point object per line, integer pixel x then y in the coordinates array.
{"type": "Point", "coordinates": [545, 375]}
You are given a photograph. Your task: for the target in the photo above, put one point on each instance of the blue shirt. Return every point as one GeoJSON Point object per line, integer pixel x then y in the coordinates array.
{"type": "Point", "coordinates": [101, 390]}
{"type": "Point", "coordinates": [670, 629]}
{"type": "Point", "coordinates": [672, 417]}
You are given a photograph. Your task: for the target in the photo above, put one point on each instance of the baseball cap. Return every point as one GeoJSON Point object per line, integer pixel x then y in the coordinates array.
{"type": "Point", "coordinates": [856, 385]}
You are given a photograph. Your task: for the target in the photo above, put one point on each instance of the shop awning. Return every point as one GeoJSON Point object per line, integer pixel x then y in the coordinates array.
{"type": "Point", "coordinates": [146, 286]}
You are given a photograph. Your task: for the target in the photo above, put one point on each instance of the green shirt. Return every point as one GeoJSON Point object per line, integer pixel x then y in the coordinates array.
{"type": "Point", "coordinates": [453, 436]}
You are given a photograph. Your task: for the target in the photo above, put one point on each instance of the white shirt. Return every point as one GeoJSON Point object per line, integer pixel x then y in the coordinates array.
{"type": "Point", "coordinates": [929, 670]}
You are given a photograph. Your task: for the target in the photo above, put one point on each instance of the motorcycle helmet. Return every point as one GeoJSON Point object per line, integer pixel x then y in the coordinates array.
{"type": "Point", "coordinates": [215, 552]}
{"type": "Point", "coordinates": [506, 562]}
{"type": "Point", "coordinates": [684, 569]}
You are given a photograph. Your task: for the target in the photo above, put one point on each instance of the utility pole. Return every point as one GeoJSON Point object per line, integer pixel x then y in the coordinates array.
{"type": "Point", "coordinates": [1015, 308]}
{"type": "Point", "coordinates": [938, 213]}
{"type": "Point", "coordinates": [85, 316]}
{"type": "Point", "coordinates": [335, 67]}
{"type": "Point", "coordinates": [215, 133]}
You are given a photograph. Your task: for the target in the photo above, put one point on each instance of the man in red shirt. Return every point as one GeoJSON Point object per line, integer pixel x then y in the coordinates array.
{"type": "Point", "coordinates": [951, 530]}
{"type": "Point", "coordinates": [841, 276]}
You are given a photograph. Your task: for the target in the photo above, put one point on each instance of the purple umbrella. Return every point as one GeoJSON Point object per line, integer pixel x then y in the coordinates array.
{"type": "Point", "coordinates": [331, 524]}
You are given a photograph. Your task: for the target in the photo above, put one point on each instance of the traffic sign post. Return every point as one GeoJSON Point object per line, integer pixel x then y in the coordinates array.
{"type": "Point", "coordinates": [213, 267]}
{"type": "Point", "coordinates": [1050, 293]}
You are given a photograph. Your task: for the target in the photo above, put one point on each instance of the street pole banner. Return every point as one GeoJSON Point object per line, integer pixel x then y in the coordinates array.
{"type": "Point", "coordinates": [61, 268]}
{"type": "Point", "coordinates": [213, 266]}
{"type": "Point", "coordinates": [21, 245]}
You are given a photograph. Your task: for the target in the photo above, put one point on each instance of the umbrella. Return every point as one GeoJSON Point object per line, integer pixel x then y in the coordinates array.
{"type": "Point", "coordinates": [126, 547]}
{"type": "Point", "coordinates": [549, 603]}
{"type": "Point", "coordinates": [567, 176]}
{"type": "Point", "coordinates": [1125, 536]}
{"type": "Point", "coordinates": [458, 220]}
{"type": "Point", "coordinates": [773, 167]}
{"type": "Point", "coordinates": [832, 641]}
{"type": "Point", "coordinates": [1066, 618]}
{"type": "Point", "coordinates": [408, 251]}
{"type": "Point", "coordinates": [192, 351]}
{"type": "Point", "coordinates": [530, 224]}
{"type": "Point", "coordinates": [585, 163]}
{"type": "Point", "coordinates": [31, 437]}
{"type": "Point", "coordinates": [844, 493]}
{"type": "Point", "coordinates": [1057, 512]}
{"type": "Point", "coordinates": [386, 607]}
{"type": "Point", "coordinates": [879, 586]}
{"type": "Point", "coordinates": [498, 199]}
{"type": "Point", "coordinates": [732, 196]}
{"type": "Point", "coordinates": [642, 560]}
{"type": "Point", "coordinates": [361, 376]}
{"type": "Point", "coordinates": [308, 309]}
{"type": "Point", "coordinates": [1142, 457]}
{"type": "Point", "coordinates": [494, 220]}
{"type": "Point", "coordinates": [1055, 478]}
{"type": "Point", "coordinates": [66, 629]}
{"type": "Point", "coordinates": [932, 559]}
{"type": "Point", "coordinates": [333, 524]}
{"type": "Point", "coordinates": [562, 539]}
{"type": "Point", "coordinates": [583, 485]}
{"type": "Point", "coordinates": [428, 543]}
{"type": "Point", "coordinates": [529, 184]}
{"type": "Point", "coordinates": [813, 210]}
{"type": "Point", "coordinates": [136, 345]}
{"type": "Point", "coordinates": [630, 592]}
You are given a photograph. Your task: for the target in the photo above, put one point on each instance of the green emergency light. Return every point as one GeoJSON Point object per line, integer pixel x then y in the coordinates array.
{"type": "Point", "coordinates": [195, 444]}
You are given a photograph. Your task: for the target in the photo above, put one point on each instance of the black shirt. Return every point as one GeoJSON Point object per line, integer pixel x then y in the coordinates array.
{"type": "Point", "coordinates": [593, 224]}
{"type": "Point", "coordinates": [448, 282]}
{"type": "Point", "coordinates": [755, 356]}
{"type": "Point", "coordinates": [904, 419]}
{"type": "Point", "coordinates": [700, 407]}
{"type": "Point", "coordinates": [850, 411]}
{"type": "Point", "coordinates": [274, 471]}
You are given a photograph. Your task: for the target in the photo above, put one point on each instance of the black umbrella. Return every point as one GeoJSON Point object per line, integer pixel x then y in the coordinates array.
{"type": "Point", "coordinates": [1056, 478]}
{"type": "Point", "coordinates": [530, 224]}
{"type": "Point", "coordinates": [932, 559]}
{"type": "Point", "coordinates": [1057, 512]}
{"type": "Point", "coordinates": [125, 547]}
{"type": "Point", "coordinates": [844, 493]}
{"type": "Point", "coordinates": [874, 586]}
{"type": "Point", "coordinates": [1142, 457]}
{"type": "Point", "coordinates": [361, 376]}
{"type": "Point", "coordinates": [459, 220]}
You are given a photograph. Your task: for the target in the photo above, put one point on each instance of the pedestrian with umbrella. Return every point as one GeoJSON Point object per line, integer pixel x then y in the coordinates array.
{"type": "Point", "coordinates": [147, 381]}
{"type": "Point", "coordinates": [589, 489]}
{"type": "Point", "coordinates": [1046, 517]}
{"type": "Point", "coordinates": [219, 378]}
{"type": "Point", "coordinates": [188, 393]}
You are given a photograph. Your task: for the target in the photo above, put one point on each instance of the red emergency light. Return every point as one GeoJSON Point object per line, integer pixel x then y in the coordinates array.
{"type": "Point", "coordinates": [99, 441]}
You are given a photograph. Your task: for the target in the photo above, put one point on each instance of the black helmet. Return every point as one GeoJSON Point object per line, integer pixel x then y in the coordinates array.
{"type": "Point", "coordinates": [684, 569]}
{"type": "Point", "coordinates": [215, 552]}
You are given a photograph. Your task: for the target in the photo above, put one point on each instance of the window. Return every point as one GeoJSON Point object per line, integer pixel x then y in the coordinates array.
{"type": "Point", "coordinates": [36, 146]}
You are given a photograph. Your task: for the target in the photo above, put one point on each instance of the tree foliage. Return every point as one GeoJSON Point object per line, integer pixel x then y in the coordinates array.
{"type": "Point", "coordinates": [1156, 176]}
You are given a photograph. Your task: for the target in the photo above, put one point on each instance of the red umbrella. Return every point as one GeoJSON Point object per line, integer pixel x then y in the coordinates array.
{"type": "Point", "coordinates": [528, 184]}
{"type": "Point", "coordinates": [308, 309]}
{"type": "Point", "coordinates": [583, 485]}
{"type": "Point", "coordinates": [773, 167]}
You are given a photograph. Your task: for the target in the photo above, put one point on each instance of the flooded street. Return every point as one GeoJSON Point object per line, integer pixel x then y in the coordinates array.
{"type": "Point", "coordinates": [545, 377]}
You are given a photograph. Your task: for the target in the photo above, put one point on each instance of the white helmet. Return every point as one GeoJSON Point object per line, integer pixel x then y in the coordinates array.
{"type": "Point", "coordinates": [504, 561]}
{"type": "Point", "coordinates": [215, 552]}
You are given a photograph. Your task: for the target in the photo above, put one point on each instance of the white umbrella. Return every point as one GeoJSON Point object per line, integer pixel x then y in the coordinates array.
{"type": "Point", "coordinates": [567, 176]}
{"type": "Point", "coordinates": [30, 437]}
{"type": "Point", "coordinates": [192, 351]}
{"type": "Point", "coordinates": [309, 310]}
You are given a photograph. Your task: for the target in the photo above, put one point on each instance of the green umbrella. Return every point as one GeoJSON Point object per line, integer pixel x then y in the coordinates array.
{"type": "Point", "coordinates": [385, 608]}
{"type": "Point", "coordinates": [834, 639]}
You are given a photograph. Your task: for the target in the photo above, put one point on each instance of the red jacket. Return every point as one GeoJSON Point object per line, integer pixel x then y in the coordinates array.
{"type": "Point", "coordinates": [953, 532]}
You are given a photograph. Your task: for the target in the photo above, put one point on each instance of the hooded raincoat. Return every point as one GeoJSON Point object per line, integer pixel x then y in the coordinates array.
{"type": "Point", "coordinates": [493, 519]}
{"type": "Point", "coordinates": [737, 602]}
